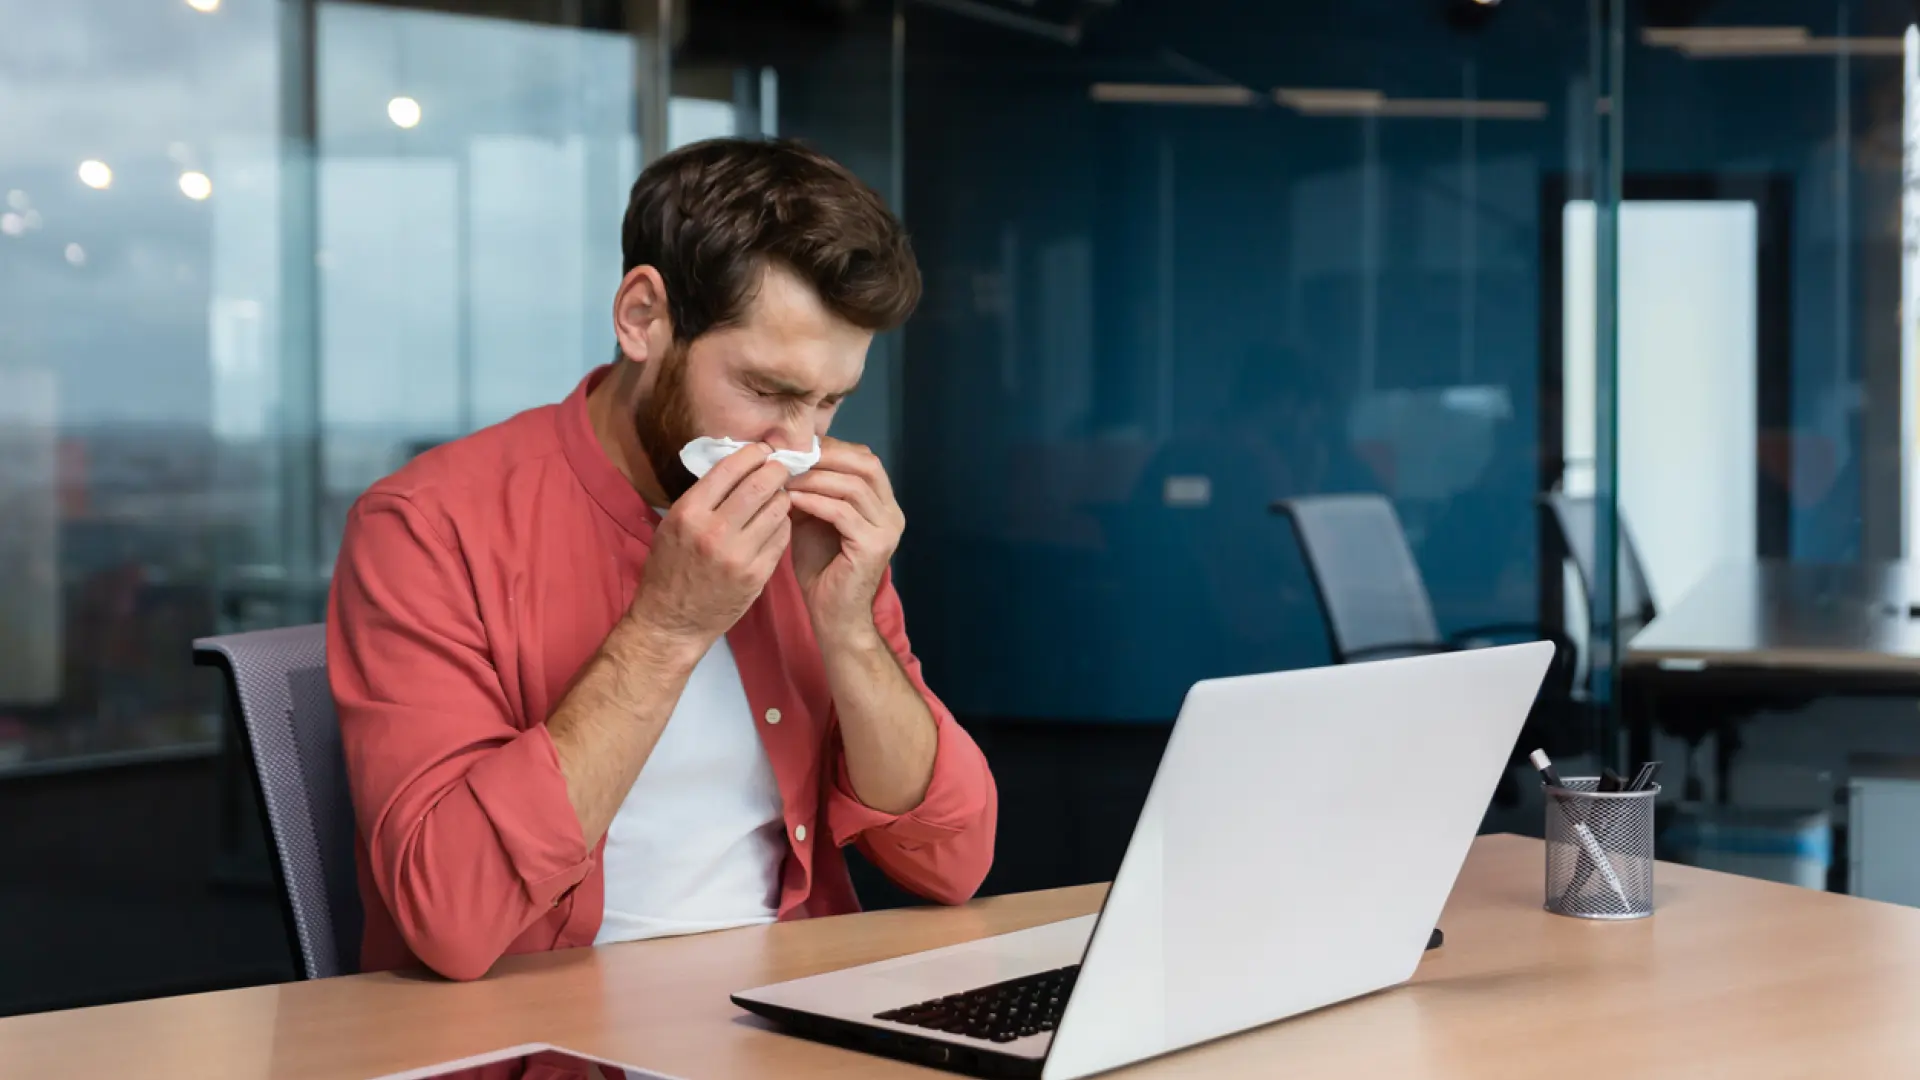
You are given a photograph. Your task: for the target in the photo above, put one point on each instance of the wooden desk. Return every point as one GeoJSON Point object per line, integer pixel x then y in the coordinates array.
{"type": "Point", "coordinates": [1733, 977]}
{"type": "Point", "coordinates": [1770, 635]}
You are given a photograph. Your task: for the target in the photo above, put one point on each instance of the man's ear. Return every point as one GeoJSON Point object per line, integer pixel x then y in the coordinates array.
{"type": "Point", "coordinates": [641, 322]}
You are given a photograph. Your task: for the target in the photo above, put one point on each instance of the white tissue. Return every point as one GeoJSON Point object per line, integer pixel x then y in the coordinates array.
{"type": "Point", "coordinates": [701, 455]}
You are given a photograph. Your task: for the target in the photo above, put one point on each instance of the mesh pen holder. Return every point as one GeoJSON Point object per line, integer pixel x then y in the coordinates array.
{"type": "Point", "coordinates": [1599, 851]}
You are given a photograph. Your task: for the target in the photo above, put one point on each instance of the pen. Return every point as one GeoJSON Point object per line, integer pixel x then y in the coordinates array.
{"type": "Point", "coordinates": [1539, 759]}
{"type": "Point", "coordinates": [1582, 834]}
{"type": "Point", "coordinates": [1611, 781]}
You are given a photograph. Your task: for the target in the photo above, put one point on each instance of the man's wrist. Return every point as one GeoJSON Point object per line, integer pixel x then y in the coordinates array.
{"type": "Point", "coordinates": [639, 643]}
{"type": "Point", "coordinates": [849, 636]}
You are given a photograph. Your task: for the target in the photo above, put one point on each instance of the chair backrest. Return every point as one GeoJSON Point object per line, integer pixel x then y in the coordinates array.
{"type": "Point", "coordinates": [1370, 587]}
{"type": "Point", "coordinates": [1575, 517]}
{"type": "Point", "coordinates": [284, 711]}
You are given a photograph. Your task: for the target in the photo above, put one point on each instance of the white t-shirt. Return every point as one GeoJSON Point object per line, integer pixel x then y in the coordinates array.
{"type": "Point", "coordinates": [700, 839]}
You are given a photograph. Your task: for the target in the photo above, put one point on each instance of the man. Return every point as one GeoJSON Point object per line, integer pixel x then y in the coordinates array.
{"type": "Point", "coordinates": [585, 698]}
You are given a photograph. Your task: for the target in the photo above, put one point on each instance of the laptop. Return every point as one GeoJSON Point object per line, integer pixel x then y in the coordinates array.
{"type": "Point", "coordinates": [1301, 836]}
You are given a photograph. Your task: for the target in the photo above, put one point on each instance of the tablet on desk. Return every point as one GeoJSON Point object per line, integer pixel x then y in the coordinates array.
{"type": "Point", "coordinates": [533, 1061]}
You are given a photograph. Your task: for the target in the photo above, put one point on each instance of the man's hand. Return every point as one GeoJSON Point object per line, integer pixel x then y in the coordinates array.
{"type": "Point", "coordinates": [715, 550]}
{"type": "Point", "coordinates": [711, 557]}
{"type": "Point", "coordinates": [846, 531]}
{"type": "Point", "coordinates": [847, 525]}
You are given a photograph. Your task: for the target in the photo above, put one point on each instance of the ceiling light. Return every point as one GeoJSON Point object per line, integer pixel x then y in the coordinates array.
{"type": "Point", "coordinates": [76, 255]}
{"type": "Point", "coordinates": [1463, 109]}
{"type": "Point", "coordinates": [1739, 42]}
{"type": "Point", "coordinates": [1170, 94]}
{"type": "Point", "coordinates": [12, 224]}
{"type": "Point", "coordinates": [96, 175]}
{"type": "Point", "coordinates": [1687, 37]}
{"type": "Point", "coordinates": [195, 185]}
{"type": "Point", "coordinates": [1322, 102]}
{"type": "Point", "coordinates": [404, 112]}
{"type": "Point", "coordinates": [204, 7]}
{"type": "Point", "coordinates": [1819, 46]}
{"type": "Point", "coordinates": [1331, 102]}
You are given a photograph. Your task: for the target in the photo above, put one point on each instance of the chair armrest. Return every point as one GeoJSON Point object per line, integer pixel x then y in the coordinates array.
{"type": "Point", "coordinates": [1395, 650]}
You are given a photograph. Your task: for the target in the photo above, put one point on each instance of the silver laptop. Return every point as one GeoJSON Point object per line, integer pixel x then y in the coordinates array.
{"type": "Point", "coordinates": [1300, 839]}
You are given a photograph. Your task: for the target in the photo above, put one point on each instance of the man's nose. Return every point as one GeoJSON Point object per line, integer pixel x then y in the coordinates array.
{"type": "Point", "coordinates": [796, 434]}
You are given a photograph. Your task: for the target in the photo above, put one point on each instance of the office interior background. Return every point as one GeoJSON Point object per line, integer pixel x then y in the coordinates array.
{"type": "Point", "coordinates": [1184, 260]}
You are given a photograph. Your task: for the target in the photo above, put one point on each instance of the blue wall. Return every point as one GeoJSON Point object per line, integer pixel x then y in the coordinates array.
{"type": "Point", "coordinates": [1122, 294]}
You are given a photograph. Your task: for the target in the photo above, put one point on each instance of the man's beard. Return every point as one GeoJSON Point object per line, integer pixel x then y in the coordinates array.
{"type": "Point", "coordinates": [664, 421]}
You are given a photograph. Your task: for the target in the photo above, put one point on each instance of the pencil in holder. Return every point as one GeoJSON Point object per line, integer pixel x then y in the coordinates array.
{"type": "Point", "coordinates": [1599, 850]}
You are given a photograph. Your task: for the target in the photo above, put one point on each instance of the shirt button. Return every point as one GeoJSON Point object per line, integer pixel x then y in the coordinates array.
{"type": "Point", "coordinates": [800, 833]}
{"type": "Point", "coordinates": [773, 716]}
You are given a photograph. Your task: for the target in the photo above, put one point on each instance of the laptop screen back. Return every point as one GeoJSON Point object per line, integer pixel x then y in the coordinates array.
{"type": "Point", "coordinates": [1301, 837]}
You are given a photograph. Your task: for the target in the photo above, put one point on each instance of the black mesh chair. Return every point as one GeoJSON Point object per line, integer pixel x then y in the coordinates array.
{"type": "Point", "coordinates": [1574, 519]}
{"type": "Point", "coordinates": [1377, 607]}
{"type": "Point", "coordinates": [1689, 717]}
{"type": "Point", "coordinates": [284, 718]}
{"type": "Point", "coordinates": [1370, 589]}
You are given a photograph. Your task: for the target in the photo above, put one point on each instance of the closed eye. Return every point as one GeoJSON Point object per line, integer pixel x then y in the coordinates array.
{"type": "Point", "coordinates": [797, 402]}
{"type": "Point", "coordinates": [792, 404]}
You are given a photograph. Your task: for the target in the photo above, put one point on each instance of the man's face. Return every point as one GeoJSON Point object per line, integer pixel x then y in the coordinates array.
{"type": "Point", "coordinates": [778, 377]}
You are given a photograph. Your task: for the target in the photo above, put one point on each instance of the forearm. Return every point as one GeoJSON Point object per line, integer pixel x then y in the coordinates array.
{"type": "Point", "coordinates": [886, 730]}
{"type": "Point", "coordinates": [609, 722]}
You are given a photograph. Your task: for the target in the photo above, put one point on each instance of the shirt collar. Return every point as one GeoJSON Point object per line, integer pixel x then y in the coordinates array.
{"type": "Point", "coordinates": [605, 484]}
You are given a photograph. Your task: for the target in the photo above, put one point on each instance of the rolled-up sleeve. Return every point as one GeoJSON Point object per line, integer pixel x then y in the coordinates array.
{"type": "Point", "coordinates": [942, 848]}
{"type": "Point", "coordinates": [470, 835]}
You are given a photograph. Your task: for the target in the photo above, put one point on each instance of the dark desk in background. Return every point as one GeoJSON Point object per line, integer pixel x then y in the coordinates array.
{"type": "Point", "coordinates": [1770, 635]}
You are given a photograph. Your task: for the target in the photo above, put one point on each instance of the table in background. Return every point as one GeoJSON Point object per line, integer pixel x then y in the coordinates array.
{"type": "Point", "coordinates": [1732, 977]}
{"type": "Point", "coordinates": [1773, 635]}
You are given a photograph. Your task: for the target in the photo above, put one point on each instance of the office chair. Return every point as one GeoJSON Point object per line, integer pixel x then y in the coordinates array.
{"type": "Point", "coordinates": [1376, 607]}
{"type": "Point", "coordinates": [283, 711]}
{"type": "Point", "coordinates": [1574, 517]}
{"type": "Point", "coordinates": [1371, 593]}
{"type": "Point", "coordinates": [1718, 714]}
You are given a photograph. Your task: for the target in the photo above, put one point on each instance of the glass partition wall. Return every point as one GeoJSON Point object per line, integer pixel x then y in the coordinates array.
{"type": "Point", "coordinates": [1188, 261]}
{"type": "Point", "coordinates": [1182, 263]}
{"type": "Point", "coordinates": [255, 254]}
{"type": "Point", "coordinates": [1765, 403]}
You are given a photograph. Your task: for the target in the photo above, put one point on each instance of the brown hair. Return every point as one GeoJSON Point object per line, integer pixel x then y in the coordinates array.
{"type": "Point", "coordinates": [710, 216]}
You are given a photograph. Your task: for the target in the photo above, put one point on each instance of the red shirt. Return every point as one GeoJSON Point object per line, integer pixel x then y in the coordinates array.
{"type": "Point", "coordinates": [472, 585]}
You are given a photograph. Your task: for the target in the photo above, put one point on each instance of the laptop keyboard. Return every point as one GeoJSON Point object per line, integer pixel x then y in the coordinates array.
{"type": "Point", "coordinates": [1002, 1012]}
